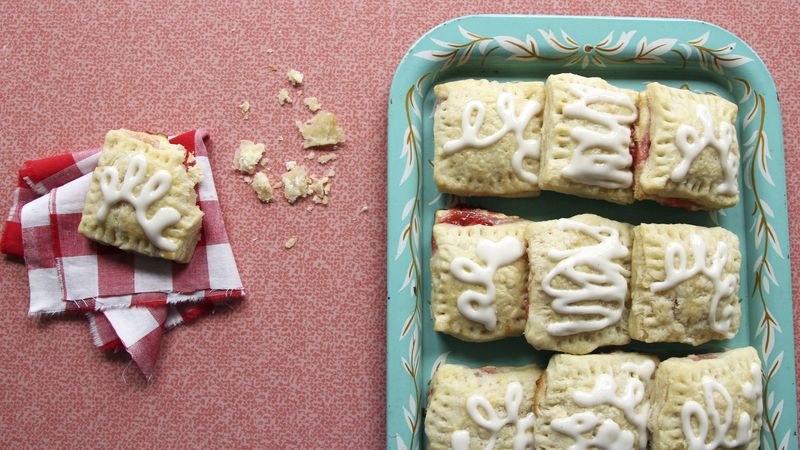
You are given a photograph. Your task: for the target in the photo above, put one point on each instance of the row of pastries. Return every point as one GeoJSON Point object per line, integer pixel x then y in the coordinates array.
{"type": "Point", "coordinates": [586, 137]}
{"type": "Point", "coordinates": [575, 284]}
{"type": "Point", "coordinates": [601, 401]}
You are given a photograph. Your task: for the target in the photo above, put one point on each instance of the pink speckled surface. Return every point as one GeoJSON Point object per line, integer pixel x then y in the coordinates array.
{"type": "Point", "coordinates": [301, 363]}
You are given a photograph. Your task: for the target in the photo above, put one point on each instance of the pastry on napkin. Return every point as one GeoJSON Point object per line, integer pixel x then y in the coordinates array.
{"type": "Point", "coordinates": [130, 298]}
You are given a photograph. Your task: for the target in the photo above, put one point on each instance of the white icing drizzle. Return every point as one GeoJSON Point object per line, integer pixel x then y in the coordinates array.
{"type": "Point", "coordinates": [154, 189]}
{"type": "Point", "coordinates": [612, 168]}
{"type": "Point", "coordinates": [754, 391]}
{"type": "Point", "coordinates": [690, 144]}
{"type": "Point", "coordinates": [751, 390]}
{"type": "Point", "coordinates": [633, 395]}
{"type": "Point", "coordinates": [609, 436]}
{"type": "Point", "coordinates": [606, 283]}
{"type": "Point", "coordinates": [474, 305]}
{"type": "Point", "coordinates": [482, 412]}
{"type": "Point", "coordinates": [677, 274]}
{"type": "Point", "coordinates": [527, 148]}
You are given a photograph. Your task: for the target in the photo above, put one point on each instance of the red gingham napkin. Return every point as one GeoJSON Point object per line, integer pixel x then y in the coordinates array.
{"type": "Point", "coordinates": [130, 298]}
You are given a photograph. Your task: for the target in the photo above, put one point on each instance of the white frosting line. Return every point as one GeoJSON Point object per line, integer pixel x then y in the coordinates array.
{"type": "Point", "coordinates": [744, 427]}
{"type": "Point", "coordinates": [605, 283]}
{"type": "Point", "coordinates": [474, 305]}
{"type": "Point", "coordinates": [482, 412]}
{"type": "Point", "coordinates": [527, 148]}
{"type": "Point", "coordinates": [154, 189]}
{"type": "Point", "coordinates": [690, 144]}
{"type": "Point", "coordinates": [609, 436]}
{"type": "Point", "coordinates": [677, 274]}
{"type": "Point", "coordinates": [605, 392]}
{"type": "Point", "coordinates": [610, 169]}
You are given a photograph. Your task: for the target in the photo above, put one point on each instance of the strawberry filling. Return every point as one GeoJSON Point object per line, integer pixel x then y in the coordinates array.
{"type": "Point", "coordinates": [640, 151]}
{"type": "Point", "coordinates": [704, 356]}
{"type": "Point", "coordinates": [488, 369]}
{"type": "Point", "coordinates": [678, 203]}
{"type": "Point", "coordinates": [465, 217]}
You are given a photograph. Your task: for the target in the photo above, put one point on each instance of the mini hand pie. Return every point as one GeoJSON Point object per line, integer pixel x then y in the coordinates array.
{"type": "Point", "coordinates": [142, 197]}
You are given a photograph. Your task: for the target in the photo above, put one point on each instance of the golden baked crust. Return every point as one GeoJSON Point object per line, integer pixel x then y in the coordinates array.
{"type": "Point", "coordinates": [488, 170]}
{"type": "Point", "coordinates": [559, 144]}
{"type": "Point", "coordinates": [544, 327]}
{"type": "Point", "coordinates": [680, 389]}
{"type": "Point", "coordinates": [581, 398]}
{"type": "Point", "coordinates": [669, 112]}
{"type": "Point", "coordinates": [120, 227]}
{"type": "Point", "coordinates": [451, 388]}
{"type": "Point", "coordinates": [681, 311]}
{"type": "Point", "coordinates": [510, 280]}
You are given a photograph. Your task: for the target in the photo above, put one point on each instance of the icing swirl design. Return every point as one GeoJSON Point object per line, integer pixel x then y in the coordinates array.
{"type": "Point", "coordinates": [610, 435]}
{"type": "Point", "coordinates": [527, 148]}
{"type": "Point", "coordinates": [474, 305]}
{"type": "Point", "coordinates": [690, 144]}
{"type": "Point", "coordinates": [482, 412]}
{"type": "Point", "coordinates": [606, 282]}
{"type": "Point", "coordinates": [678, 273]}
{"type": "Point", "coordinates": [154, 189]}
{"type": "Point", "coordinates": [744, 426]}
{"type": "Point", "coordinates": [612, 168]}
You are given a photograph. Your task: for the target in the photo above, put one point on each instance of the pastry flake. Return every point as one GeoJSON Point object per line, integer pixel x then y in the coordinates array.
{"type": "Point", "coordinates": [262, 187]}
{"type": "Point", "coordinates": [295, 77]}
{"type": "Point", "coordinates": [687, 151]}
{"type": "Point", "coordinates": [486, 136]}
{"type": "Point", "coordinates": [594, 401]}
{"type": "Point", "coordinates": [469, 408]}
{"type": "Point", "coordinates": [247, 156]}
{"type": "Point", "coordinates": [142, 197]}
{"type": "Point", "coordinates": [685, 284]}
{"type": "Point", "coordinates": [322, 129]}
{"type": "Point", "coordinates": [295, 182]}
{"type": "Point", "coordinates": [479, 275]}
{"type": "Point", "coordinates": [708, 401]}
{"type": "Point", "coordinates": [578, 291]}
{"type": "Point", "coordinates": [586, 138]}
{"type": "Point", "coordinates": [284, 97]}
{"type": "Point", "coordinates": [312, 103]}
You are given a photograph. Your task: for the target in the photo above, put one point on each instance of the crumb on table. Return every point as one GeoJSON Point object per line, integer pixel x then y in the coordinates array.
{"type": "Point", "coordinates": [295, 77]}
{"type": "Point", "coordinates": [290, 242]}
{"type": "Point", "coordinates": [295, 182]}
{"type": "Point", "coordinates": [322, 129]}
{"type": "Point", "coordinates": [283, 97]}
{"type": "Point", "coordinates": [245, 107]}
{"type": "Point", "coordinates": [247, 156]}
{"type": "Point", "coordinates": [262, 187]}
{"type": "Point", "coordinates": [327, 157]}
{"type": "Point", "coordinates": [312, 103]}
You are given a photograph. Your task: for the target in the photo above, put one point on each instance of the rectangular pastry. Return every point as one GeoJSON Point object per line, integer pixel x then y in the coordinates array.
{"type": "Point", "coordinates": [142, 197]}
{"type": "Point", "coordinates": [586, 138]}
{"type": "Point", "coordinates": [708, 401]}
{"type": "Point", "coordinates": [486, 137]}
{"type": "Point", "coordinates": [594, 401]}
{"type": "Point", "coordinates": [479, 274]}
{"type": "Point", "coordinates": [685, 284]}
{"type": "Point", "coordinates": [687, 154]}
{"type": "Point", "coordinates": [578, 291]}
{"type": "Point", "coordinates": [481, 408]}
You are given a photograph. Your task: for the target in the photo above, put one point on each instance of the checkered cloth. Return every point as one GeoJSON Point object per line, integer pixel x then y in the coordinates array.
{"type": "Point", "coordinates": [130, 299]}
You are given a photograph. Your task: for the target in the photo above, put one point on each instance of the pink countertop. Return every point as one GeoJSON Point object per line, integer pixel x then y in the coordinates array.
{"type": "Point", "coordinates": [301, 362]}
